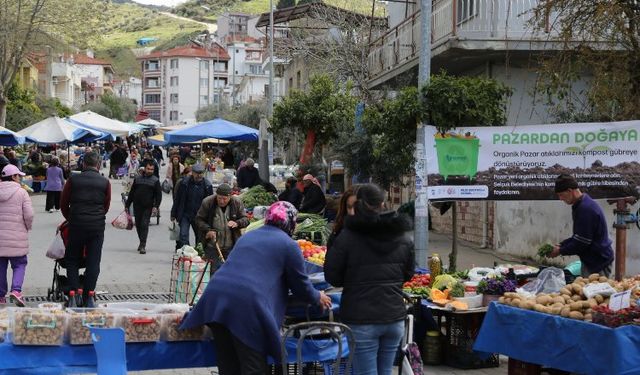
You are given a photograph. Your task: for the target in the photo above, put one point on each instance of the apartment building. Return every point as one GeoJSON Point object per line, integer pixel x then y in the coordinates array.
{"type": "Point", "coordinates": [96, 75]}
{"type": "Point", "coordinates": [233, 24]}
{"type": "Point", "coordinates": [179, 81]}
{"type": "Point", "coordinates": [130, 88]}
{"type": "Point", "coordinates": [59, 78]}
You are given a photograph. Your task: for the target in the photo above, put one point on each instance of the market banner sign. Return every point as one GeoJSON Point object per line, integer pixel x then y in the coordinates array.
{"type": "Point", "coordinates": [522, 162]}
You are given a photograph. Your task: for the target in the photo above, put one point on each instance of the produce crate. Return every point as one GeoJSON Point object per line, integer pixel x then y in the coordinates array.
{"type": "Point", "coordinates": [461, 332]}
{"type": "Point", "coordinates": [310, 368]}
{"type": "Point", "coordinates": [517, 367]}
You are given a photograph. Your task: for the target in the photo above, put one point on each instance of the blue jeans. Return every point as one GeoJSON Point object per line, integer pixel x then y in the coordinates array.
{"type": "Point", "coordinates": [376, 347]}
{"type": "Point", "coordinates": [185, 225]}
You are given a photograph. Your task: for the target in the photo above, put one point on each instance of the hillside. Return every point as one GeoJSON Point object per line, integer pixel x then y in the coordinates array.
{"type": "Point", "coordinates": [209, 10]}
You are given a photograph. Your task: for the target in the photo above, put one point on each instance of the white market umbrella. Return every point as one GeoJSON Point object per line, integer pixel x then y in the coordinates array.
{"type": "Point", "coordinates": [58, 130]}
{"type": "Point", "coordinates": [149, 122]}
{"type": "Point", "coordinates": [104, 124]}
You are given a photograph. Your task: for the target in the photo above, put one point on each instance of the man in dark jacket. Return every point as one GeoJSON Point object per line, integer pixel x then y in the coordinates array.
{"type": "Point", "coordinates": [291, 193]}
{"type": "Point", "coordinates": [189, 196]}
{"type": "Point", "coordinates": [117, 159]}
{"type": "Point", "coordinates": [248, 176]}
{"type": "Point", "coordinates": [313, 200]}
{"type": "Point", "coordinates": [219, 220]}
{"type": "Point", "coordinates": [145, 195]}
{"type": "Point", "coordinates": [84, 203]}
{"type": "Point", "coordinates": [590, 240]}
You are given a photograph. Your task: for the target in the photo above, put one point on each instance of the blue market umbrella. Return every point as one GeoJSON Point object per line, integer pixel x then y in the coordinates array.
{"type": "Point", "coordinates": [10, 138]}
{"type": "Point", "coordinates": [217, 128]}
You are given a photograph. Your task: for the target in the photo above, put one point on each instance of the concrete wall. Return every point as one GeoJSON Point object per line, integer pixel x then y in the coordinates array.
{"type": "Point", "coordinates": [521, 227]}
{"type": "Point", "coordinates": [472, 215]}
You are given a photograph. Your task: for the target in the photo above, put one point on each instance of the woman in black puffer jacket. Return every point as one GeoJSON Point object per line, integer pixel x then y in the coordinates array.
{"type": "Point", "coordinates": [371, 259]}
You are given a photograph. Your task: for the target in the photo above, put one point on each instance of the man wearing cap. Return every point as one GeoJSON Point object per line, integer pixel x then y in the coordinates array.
{"type": "Point", "coordinates": [84, 202]}
{"type": "Point", "coordinates": [220, 219]}
{"type": "Point", "coordinates": [190, 193]}
{"type": "Point", "coordinates": [146, 196]}
{"type": "Point", "coordinates": [248, 176]}
{"type": "Point", "coordinates": [590, 240]}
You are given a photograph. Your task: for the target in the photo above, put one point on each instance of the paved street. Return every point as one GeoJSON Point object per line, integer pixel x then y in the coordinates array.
{"type": "Point", "coordinates": [123, 270]}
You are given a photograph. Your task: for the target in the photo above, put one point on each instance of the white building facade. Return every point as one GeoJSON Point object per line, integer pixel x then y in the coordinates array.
{"type": "Point", "coordinates": [178, 82]}
{"type": "Point", "coordinates": [130, 88]}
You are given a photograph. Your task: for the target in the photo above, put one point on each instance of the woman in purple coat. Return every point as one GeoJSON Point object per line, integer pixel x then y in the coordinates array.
{"type": "Point", "coordinates": [245, 301]}
{"type": "Point", "coordinates": [55, 182]}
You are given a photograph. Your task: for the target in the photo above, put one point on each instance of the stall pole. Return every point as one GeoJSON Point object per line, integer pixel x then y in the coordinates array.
{"type": "Point", "coordinates": [623, 218]}
{"type": "Point", "coordinates": [453, 257]}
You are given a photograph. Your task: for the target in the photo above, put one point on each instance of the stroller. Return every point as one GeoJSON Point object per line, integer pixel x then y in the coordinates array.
{"type": "Point", "coordinates": [60, 284]}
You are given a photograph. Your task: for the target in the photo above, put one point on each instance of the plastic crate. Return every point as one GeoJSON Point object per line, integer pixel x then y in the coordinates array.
{"type": "Point", "coordinates": [463, 330]}
{"type": "Point", "coordinates": [517, 367]}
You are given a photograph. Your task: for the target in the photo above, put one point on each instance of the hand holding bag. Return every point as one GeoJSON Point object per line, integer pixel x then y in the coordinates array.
{"type": "Point", "coordinates": [123, 221]}
{"type": "Point", "coordinates": [56, 247]}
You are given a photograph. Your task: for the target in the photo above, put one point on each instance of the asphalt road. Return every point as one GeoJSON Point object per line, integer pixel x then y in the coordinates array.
{"type": "Point", "coordinates": [122, 267]}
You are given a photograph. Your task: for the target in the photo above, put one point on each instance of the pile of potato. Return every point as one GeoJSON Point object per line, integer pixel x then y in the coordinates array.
{"type": "Point", "coordinates": [38, 327]}
{"type": "Point", "coordinates": [79, 323]}
{"type": "Point", "coordinates": [141, 327]}
{"type": "Point", "coordinates": [570, 302]}
{"type": "Point", "coordinates": [171, 324]}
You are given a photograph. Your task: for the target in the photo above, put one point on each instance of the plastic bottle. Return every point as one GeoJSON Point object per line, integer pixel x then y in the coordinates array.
{"type": "Point", "coordinates": [435, 266]}
{"type": "Point", "coordinates": [79, 298]}
{"type": "Point", "coordinates": [91, 300]}
{"type": "Point", "coordinates": [72, 298]}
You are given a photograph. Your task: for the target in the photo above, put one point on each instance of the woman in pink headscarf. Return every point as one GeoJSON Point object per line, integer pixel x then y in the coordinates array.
{"type": "Point", "coordinates": [313, 200]}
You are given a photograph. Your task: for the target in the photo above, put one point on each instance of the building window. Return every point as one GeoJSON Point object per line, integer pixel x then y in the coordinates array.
{"type": "Point", "coordinates": [216, 98]}
{"type": "Point", "coordinates": [266, 91]}
{"type": "Point", "coordinates": [298, 83]}
{"type": "Point", "coordinates": [152, 99]}
{"type": "Point", "coordinates": [255, 69]}
{"type": "Point", "coordinates": [204, 82]}
{"type": "Point", "coordinates": [174, 63]}
{"type": "Point", "coordinates": [220, 67]}
{"type": "Point", "coordinates": [152, 83]}
{"type": "Point", "coordinates": [219, 83]}
{"type": "Point", "coordinates": [204, 65]}
{"type": "Point", "coordinates": [151, 65]}
{"type": "Point", "coordinates": [466, 10]}
{"type": "Point", "coordinates": [204, 99]}
{"type": "Point", "coordinates": [173, 98]}
{"type": "Point", "coordinates": [173, 115]}
{"type": "Point", "coordinates": [174, 81]}
{"type": "Point", "coordinates": [154, 115]}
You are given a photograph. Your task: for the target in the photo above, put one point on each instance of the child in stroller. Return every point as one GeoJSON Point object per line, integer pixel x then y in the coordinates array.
{"type": "Point", "coordinates": [59, 290]}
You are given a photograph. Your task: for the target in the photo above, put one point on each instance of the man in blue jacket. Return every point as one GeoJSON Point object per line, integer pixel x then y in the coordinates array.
{"type": "Point", "coordinates": [590, 240]}
{"type": "Point", "coordinates": [189, 196]}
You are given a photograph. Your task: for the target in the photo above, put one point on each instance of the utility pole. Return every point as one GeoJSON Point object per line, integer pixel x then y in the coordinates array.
{"type": "Point", "coordinates": [421, 226]}
{"type": "Point", "coordinates": [263, 157]}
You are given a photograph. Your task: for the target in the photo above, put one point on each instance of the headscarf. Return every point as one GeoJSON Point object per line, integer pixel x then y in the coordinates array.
{"type": "Point", "coordinates": [282, 214]}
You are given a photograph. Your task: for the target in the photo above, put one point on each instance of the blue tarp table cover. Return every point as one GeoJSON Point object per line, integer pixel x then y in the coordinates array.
{"type": "Point", "coordinates": [69, 359]}
{"type": "Point", "coordinates": [560, 343]}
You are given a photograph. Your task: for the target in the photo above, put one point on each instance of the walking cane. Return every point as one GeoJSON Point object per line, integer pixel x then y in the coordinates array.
{"type": "Point", "coordinates": [193, 299]}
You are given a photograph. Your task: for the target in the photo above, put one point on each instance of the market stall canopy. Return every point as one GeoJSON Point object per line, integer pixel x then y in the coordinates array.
{"type": "Point", "coordinates": [216, 128]}
{"type": "Point", "coordinates": [58, 130]}
{"type": "Point", "coordinates": [149, 122]}
{"type": "Point", "coordinates": [158, 140]}
{"type": "Point", "coordinates": [10, 138]}
{"type": "Point", "coordinates": [104, 124]}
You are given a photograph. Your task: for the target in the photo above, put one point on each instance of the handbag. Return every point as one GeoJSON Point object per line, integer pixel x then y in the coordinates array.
{"type": "Point", "coordinates": [166, 186]}
{"type": "Point", "coordinates": [56, 248]}
{"type": "Point", "coordinates": [174, 231]}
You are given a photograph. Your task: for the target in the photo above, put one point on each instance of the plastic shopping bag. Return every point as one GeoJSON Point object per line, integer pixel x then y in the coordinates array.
{"type": "Point", "coordinates": [123, 221]}
{"type": "Point", "coordinates": [166, 186]}
{"type": "Point", "coordinates": [174, 231]}
{"type": "Point", "coordinates": [56, 248]}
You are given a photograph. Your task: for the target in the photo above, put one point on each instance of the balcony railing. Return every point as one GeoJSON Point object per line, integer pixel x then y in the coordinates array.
{"type": "Point", "coordinates": [464, 19]}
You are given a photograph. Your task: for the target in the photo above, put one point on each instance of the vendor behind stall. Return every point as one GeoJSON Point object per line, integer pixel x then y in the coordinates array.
{"type": "Point", "coordinates": [590, 240]}
{"type": "Point", "coordinates": [244, 303]}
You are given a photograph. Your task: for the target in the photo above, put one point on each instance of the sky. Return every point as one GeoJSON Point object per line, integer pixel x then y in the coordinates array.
{"type": "Point", "coordinates": [169, 3]}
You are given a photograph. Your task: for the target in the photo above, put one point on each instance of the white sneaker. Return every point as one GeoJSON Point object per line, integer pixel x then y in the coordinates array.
{"type": "Point", "coordinates": [50, 211]}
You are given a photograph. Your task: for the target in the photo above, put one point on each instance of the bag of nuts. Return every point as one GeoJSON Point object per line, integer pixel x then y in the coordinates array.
{"type": "Point", "coordinates": [141, 327]}
{"type": "Point", "coordinates": [79, 321]}
{"type": "Point", "coordinates": [171, 329]}
{"type": "Point", "coordinates": [38, 327]}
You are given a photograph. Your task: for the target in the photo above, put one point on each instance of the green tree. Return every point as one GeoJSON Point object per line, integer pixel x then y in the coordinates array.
{"type": "Point", "coordinates": [325, 110]}
{"type": "Point", "coordinates": [22, 109]}
{"type": "Point", "coordinates": [451, 102]}
{"type": "Point", "coordinates": [285, 4]}
{"type": "Point", "coordinates": [122, 109]}
{"type": "Point", "coordinates": [599, 42]}
{"type": "Point", "coordinates": [30, 25]}
{"type": "Point", "coordinates": [52, 107]}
